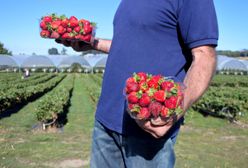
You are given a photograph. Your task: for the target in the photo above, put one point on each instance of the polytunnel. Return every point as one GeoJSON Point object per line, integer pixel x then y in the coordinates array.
{"type": "Point", "coordinates": [37, 61]}
{"type": "Point", "coordinates": [70, 60]}
{"type": "Point", "coordinates": [101, 63]}
{"type": "Point", "coordinates": [7, 62]}
{"type": "Point", "coordinates": [228, 63]}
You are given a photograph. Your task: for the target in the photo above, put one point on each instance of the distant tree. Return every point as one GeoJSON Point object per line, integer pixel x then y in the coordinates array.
{"type": "Point", "coordinates": [63, 51]}
{"type": "Point", "coordinates": [4, 50]}
{"type": "Point", "coordinates": [53, 51]}
{"type": "Point", "coordinates": [33, 53]}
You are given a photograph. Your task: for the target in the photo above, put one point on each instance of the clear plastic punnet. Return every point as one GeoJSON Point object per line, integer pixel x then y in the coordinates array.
{"type": "Point", "coordinates": [154, 98]}
{"type": "Point", "coordinates": [72, 29]}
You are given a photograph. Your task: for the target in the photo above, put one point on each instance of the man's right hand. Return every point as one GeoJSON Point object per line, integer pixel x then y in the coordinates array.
{"type": "Point", "coordinates": [96, 44]}
{"type": "Point", "coordinates": [76, 45]}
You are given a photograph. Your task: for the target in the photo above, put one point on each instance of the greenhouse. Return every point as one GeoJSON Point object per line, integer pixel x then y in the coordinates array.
{"type": "Point", "coordinates": [230, 65]}
{"type": "Point", "coordinates": [74, 63]}
{"type": "Point", "coordinates": [7, 63]}
{"type": "Point", "coordinates": [100, 65]}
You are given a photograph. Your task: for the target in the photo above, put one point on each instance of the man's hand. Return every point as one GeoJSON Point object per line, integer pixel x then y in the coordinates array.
{"type": "Point", "coordinates": [155, 131]}
{"type": "Point", "coordinates": [96, 44]}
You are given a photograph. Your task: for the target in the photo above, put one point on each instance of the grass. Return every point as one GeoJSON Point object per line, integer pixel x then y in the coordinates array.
{"type": "Point", "coordinates": [203, 142]}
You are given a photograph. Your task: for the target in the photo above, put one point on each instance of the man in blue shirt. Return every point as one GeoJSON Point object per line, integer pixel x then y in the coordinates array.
{"type": "Point", "coordinates": [168, 37]}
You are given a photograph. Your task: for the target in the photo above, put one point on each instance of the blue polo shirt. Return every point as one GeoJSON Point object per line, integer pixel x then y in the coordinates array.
{"type": "Point", "coordinates": [152, 36]}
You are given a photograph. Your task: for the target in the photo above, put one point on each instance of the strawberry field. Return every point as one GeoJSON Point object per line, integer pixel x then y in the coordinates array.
{"type": "Point", "coordinates": [46, 121]}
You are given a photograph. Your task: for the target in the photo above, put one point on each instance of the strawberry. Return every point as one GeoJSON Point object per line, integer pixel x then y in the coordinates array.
{"type": "Point", "coordinates": [172, 102]}
{"type": "Point", "coordinates": [160, 96]}
{"type": "Point", "coordinates": [133, 98]}
{"type": "Point", "coordinates": [45, 33]}
{"type": "Point", "coordinates": [66, 36]}
{"type": "Point", "coordinates": [164, 111]}
{"type": "Point", "coordinates": [142, 76]}
{"type": "Point", "coordinates": [87, 38]}
{"type": "Point", "coordinates": [61, 30]}
{"type": "Point", "coordinates": [85, 22]}
{"type": "Point", "coordinates": [73, 21]}
{"type": "Point", "coordinates": [130, 80]}
{"type": "Point", "coordinates": [154, 81]}
{"type": "Point", "coordinates": [55, 35]}
{"type": "Point", "coordinates": [77, 29]}
{"type": "Point", "coordinates": [47, 19]}
{"type": "Point", "coordinates": [87, 29]}
{"type": "Point", "coordinates": [65, 22]}
{"type": "Point", "coordinates": [55, 24]}
{"type": "Point", "coordinates": [143, 86]}
{"type": "Point", "coordinates": [144, 113]}
{"type": "Point", "coordinates": [132, 87]}
{"type": "Point", "coordinates": [144, 100]}
{"type": "Point", "coordinates": [43, 25]}
{"type": "Point", "coordinates": [69, 30]}
{"type": "Point", "coordinates": [155, 108]}
{"type": "Point", "coordinates": [167, 85]}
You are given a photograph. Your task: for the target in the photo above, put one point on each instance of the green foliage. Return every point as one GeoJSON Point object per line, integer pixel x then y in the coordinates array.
{"type": "Point", "coordinates": [4, 50]}
{"type": "Point", "coordinates": [226, 98]}
{"type": "Point", "coordinates": [55, 102]}
{"type": "Point", "coordinates": [243, 53]}
{"type": "Point", "coordinates": [13, 96]}
{"type": "Point", "coordinates": [53, 51]}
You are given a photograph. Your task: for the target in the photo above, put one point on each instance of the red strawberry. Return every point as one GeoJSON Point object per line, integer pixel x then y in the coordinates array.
{"type": "Point", "coordinates": [77, 29]}
{"type": "Point", "coordinates": [87, 29]}
{"type": "Point", "coordinates": [144, 113]}
{"type": "Point", "coordinates": [69, 30]}
{"type": "Point", "coordinates": [172, 102]}
{"type": "Point", "coordinates": [66, 36]}
{"type": "Point", "coordinates": [130, 80]}
{"type": "Point", "coordinates": [85, 22]}
{"type": "Point", "coordinates": [154, 81]}
{"type": "Point", "coordinates": [55, 24]}
{"type": "Point", "coordinates": [155, 108]}
{"type": "Point", "coordinates": [55, 35]}
{"type": "Point", "coordinates": [164, 111]}
{"type": "Point", "coordinates": [142, 76]}
{"type": "Point", "coordinates": [167, 85]}
{"type": "Point", "coordinates": [133, 98]}
{"type": "Point", "coordinates": [73, 21]}
{"type": "Point", "coordinates": [87, 38]}
{"type": "Point", "coordinates": [132, 87]}
{"type": "Point", "coordinates": [143, 86]}
{"type": "Point", "coordinates": [65, 22]}
{"type": "Point", "coordinates": [61, 30]}
{"type": "Point", "coordinates": [43, 25]}
{"type": "Point", "coordinates": [78, 36]}
{"type": "Point", "coordinates": [45, 33]}
{"type": "Point", "coordinates": [160, 96]}
{"type": "Point", "coordinates": [144, 100]}
{"type": "Point", "coordinates": [47, 19]}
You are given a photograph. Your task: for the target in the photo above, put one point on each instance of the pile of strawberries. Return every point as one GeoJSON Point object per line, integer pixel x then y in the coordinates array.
{"type": "Point", "coordinates": [53, 26]}
{"type": "Point", "coordinates": [152, 96]}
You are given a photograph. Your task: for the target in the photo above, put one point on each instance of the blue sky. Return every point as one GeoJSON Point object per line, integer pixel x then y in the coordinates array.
{"type": "Point", "coordinates": [19, 30]}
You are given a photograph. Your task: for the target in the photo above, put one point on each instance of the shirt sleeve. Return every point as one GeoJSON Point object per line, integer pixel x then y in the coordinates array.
{"type": "Point", "coordinates": [198, 23]}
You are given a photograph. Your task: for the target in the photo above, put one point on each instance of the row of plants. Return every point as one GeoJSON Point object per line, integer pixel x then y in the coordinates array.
{"type": "Point", "coordinates": [27, 83]}
{"type": "Point", "coordinates": [55, 103]}
{"type": "Point", "coordinates": [224, 102]}
{"type": "Point", "coordinates": [13, 96]}
{"type": "Point", "coordinates": [230, 81]}
{"type": "Point", "coordinates": [20, 79]}
{"type": "Point", "coordinates": [94, 90]}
